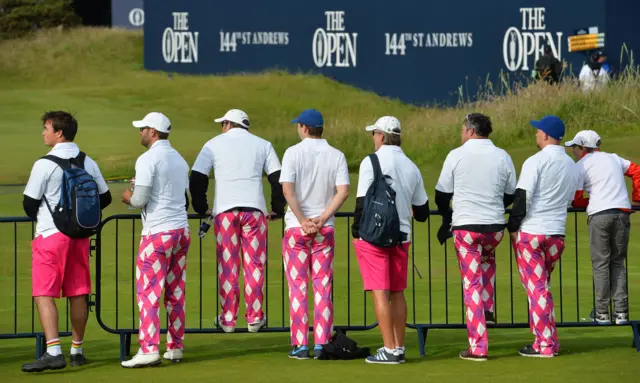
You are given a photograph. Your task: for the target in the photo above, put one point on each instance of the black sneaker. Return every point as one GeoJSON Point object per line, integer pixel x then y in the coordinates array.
{"type": "Point", "coordinates": [529, 351]}
{"type": "Point", "coordinates": [77, 360]}
{"type": "Point", "coordinates": [46, 362]}
{"type": "Point", "coordinates": [467, 355]}
{"type": "Point", "coordinates": [489, 317]}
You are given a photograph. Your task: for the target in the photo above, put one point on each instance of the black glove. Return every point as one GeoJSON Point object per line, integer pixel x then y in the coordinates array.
{"type": "Point", "coordinates": [444, 232]}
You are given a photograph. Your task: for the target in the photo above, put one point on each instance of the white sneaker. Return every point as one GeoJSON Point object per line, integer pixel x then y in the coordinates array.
{"type": "Point", "coordinates": [173, 355]}
{"type": "Point", "coordinates": [257, 325]}
{"type": "Point", "coordinates": [142, 360]}
{"type": "Point", "coordinates": [224, 328]}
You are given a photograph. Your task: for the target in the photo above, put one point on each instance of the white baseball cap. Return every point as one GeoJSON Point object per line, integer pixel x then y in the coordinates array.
{"type": "Point", "coordinates": [386, 124]}
{"type": "Point", "coordinates": [155, 120]}
{"type": "Point", "coordinates": [237, 116]}
{"type": "Point", "coordinates": [586, 138]}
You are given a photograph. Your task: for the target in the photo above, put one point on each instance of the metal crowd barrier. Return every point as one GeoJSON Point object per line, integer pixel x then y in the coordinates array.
{"type": "Point", "coordinates": [15, 277]}
{"type": "Point", "coordinates": [434, 292]}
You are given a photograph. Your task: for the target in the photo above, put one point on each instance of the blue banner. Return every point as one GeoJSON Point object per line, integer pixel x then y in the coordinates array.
{"type": "Point", "coordinates": [417, 51]}
{"type": "Point", "coordinates": [127, 14]}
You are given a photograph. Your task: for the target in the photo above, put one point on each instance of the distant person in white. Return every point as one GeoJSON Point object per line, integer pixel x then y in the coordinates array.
{"type": "Point", "coordinates": [608, 209]}
{"type": "Point", "coordinates": [315, 182]}
{"type": "Point", "coordinates": [592, 75]}
{"type": "Point", "coordinates": [481, 180]}
{"type": "Point", "coordinates": [238, 159]}
{"type": "Point", "coordinates": [161, 185]}
{"type": "Point", "coordinates": [537, 223]}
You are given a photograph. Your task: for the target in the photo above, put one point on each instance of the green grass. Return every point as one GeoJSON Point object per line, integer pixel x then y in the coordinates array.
{"type": "Point", "coordinates": [98, 74]}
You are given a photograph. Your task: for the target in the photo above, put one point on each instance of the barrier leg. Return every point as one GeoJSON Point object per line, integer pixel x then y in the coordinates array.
{"type": "Point", "coordinates": [127, 340]}
{"type": "Point", "coordinates": [125, 345]}
{"type": "Point", "coordinates": [636, 335]}
{"type": "Point", "coordinates": [41, 345]}
{"type": "Point", "coordinates": [422, 340]}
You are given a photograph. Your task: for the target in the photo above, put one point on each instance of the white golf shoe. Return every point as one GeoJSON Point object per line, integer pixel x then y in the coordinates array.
{"type": "Point", "coordinates": [142, 360]}
{"type": "Point", "coordinates": [257, 325]}
{"type": "Point", "coordinates": [174, 356]}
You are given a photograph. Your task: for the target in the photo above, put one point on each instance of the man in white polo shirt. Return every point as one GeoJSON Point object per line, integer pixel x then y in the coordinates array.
{"type": "Point", "coordinates": [481, 180]}
{"type": "Point", "coordinates": [537, 222]}
{"type": "Point", "coordinates": [384, 269]}
{"type": "Point", "coordinates": [161, 184]}
{"type": "Point", "coordinates": [315, 182]}
{"type": "Point", "coordinates": [602, 176]}
{"type": "Point", "coordinates": [238, 159]}
{"type": "Point", "coordinates": [59, 263]}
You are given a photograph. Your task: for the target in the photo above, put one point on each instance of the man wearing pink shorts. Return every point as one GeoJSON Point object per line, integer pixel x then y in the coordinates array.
{"type": "Point", "coordinates": [384, 269]}
{"type": "Point", "coordinates": [161, 184]}
{"type": "Point", "coordinates": [315, 182]}
{"type": "Point", "coordinates": [238, 159]}
{"type": "Point", "coordinates": [59, 263]}
{"type": "Point", "coordinates": [547, 185]}
{"type": "Point", "coordinates": [481, 180]}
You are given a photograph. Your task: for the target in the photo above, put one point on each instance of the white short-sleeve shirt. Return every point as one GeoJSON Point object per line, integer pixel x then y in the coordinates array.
{"type": "Point", "coordinates": [478, 174]}
{"type": "Point", "coordinates": [238, 159]}
{"type": "Point", "coordinates": [602, 176]}
{"type": "Point", "coordinates": [406, 181]}
{"type": "Point", "coordinates": [46, 179]}
{"type": "Point", "coordinates": [550, 178]}
{"type": "Point", "coordinates": [316, 168]}
{"type": "Point", "coordinates": [164, 170]}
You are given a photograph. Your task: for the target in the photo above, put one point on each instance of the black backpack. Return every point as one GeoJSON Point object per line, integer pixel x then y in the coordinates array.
{"type": "Point", "coordinates": [342, 347]}
{"type": "Point", "coordinates": [77, 214]}
{"type": "Point", "coordinates": [380, 224]}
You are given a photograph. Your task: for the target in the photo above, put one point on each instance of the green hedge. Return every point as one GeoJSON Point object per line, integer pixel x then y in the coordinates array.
{"type": "Point", "coordinates": [20, 17]}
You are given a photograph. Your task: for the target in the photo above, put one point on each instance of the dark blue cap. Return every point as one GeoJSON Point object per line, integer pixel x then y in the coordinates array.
{"type": "Point", "coordinates": [311, 118]}
{"type": "Point", "coordinates": [551, 125]}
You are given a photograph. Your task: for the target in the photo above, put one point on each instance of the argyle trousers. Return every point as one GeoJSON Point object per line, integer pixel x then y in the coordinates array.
{"type": "Point", "coordinates": [161, 265]}
{"type": "Point", "coordinates": [303, 254]}
{"type": "Point", "coordinates": [241, 233]}
{"type": "Point", "coordinates": [537, 256]}
{"type": "Point", "coordinates": [476, 259]}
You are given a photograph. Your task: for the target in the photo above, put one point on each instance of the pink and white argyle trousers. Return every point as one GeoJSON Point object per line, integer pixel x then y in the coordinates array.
{"type": "Point", "coordinates": [303, 253]}
{"type": "Point", "coordinates": [241, 233]}
{"type": "Point", "coordinates": [537, 256]}
{"type": "Point", "coordinates": [476, 259]}
{"type": "Point", "coordinates": [161, 264]}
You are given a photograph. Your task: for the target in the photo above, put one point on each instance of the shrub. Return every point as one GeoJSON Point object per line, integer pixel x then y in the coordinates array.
{"type": "Point", "coordinates": [20, 17]}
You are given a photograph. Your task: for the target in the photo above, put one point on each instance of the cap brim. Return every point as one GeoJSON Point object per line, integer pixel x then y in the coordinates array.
{"type": "Point", "coordinates": [570, 143]}
{"type": "Point", "coordinates": [535, 123]}
{"type": "Point", "coordinates": [371, 128]}
{"type": "Point", "coordinates": [219, 119]}
{"type": "Point", "coordinates": [139, 124]}
{"type": "Point", "coordinates": [295, 120]}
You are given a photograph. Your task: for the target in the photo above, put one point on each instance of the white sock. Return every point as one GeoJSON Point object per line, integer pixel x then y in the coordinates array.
{"type": "Point", "coordinates": [76, 347]}
{"type": "Point", "coordinates": [389, 350]}
{"type": "Point", "coordinates": [53, 347]}
{"type": "Point", "coordinates": [400, 350]}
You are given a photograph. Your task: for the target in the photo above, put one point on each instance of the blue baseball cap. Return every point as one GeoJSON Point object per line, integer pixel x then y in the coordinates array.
{"type": "Point", "coordinates": [550, 125]}
{"type": "Point", "coordinates": [311, 118]}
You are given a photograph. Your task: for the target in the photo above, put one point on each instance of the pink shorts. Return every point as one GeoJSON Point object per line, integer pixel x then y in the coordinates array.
{"type": "Point", "coordinates": [60, 263]}
{"type": "Point", "coordinates": [383, 268]}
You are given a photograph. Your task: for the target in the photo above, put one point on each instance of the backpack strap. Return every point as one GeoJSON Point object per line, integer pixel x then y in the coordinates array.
{"type": "Point", "coordinates": [63, 163]}
{"type": "Point", "coordinates": [377, 170]}
{"type": "Point", "coordinates": [79, 160]}
{"type": "Point", "coordinates": [66, 164]}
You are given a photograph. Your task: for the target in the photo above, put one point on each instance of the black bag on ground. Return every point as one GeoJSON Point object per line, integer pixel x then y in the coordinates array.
{"type": "Point", "coordinates": [380, 224]}
{"type": "Point", "coordinates": [342, 347]}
